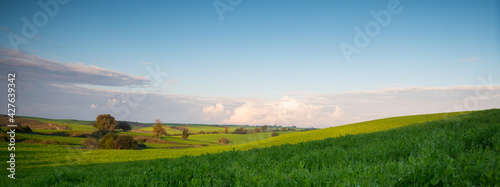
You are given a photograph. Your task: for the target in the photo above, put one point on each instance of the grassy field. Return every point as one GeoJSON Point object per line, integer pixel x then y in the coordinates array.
{"type": "Point", "coordinates": [236, 138]}
{"type": "Point", "coordinates": [440, 149]}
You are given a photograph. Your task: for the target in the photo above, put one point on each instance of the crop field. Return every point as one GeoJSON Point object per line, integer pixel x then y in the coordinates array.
{"type": "Point", "coordinates": [457, 149]}
{"type": "Point", "coordinates": [237, 138]}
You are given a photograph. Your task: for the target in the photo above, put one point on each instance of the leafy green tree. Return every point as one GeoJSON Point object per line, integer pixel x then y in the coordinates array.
{"type": "Point", "coordinates": [264, 128]}
{"type": "Point", "coordinates": [185, 134]}
{"type": "Point", "coordinates": [257, 130]}
{"type": "Point", "coordinates": [105, 123]}
{"type": "Point", "coordinates": [158, 129]}
{"type": "Point", "coordinates": [123, 126]}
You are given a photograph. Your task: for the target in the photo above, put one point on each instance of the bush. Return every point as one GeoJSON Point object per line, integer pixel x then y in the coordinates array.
{"type": "Point", "coordinates": [97, 134]}
{"type": "Point", "coordinates": [113, 141]}
{"type": "Point", "coordinates": [22, 128]}
{"type": "Point", "coordinates": [226, 130]}
{"type": "Point", "coordinates": [147, 139]}
{"type": "Point", "coordinates": [283, 128]}
{"type": "Point", "coordinates": [4, 137]}
{"type": "Point", "coordinates": [123, 126]}
{"type": "Point", "coordinates": [90, 142]}
{"type": "Point", "coordinates": [125, 142]}
{"type": "Point", "coordinates": [223, 140]}
{"type": "Point", "coordinates": [79, 134]}
{"type": "Point", "coordinates": [240, 131]}
{"type": "Point", "coordinates": [141, 146]}
{"type": "Point", "coordinates": [51, 141]}
{"type": "Point", "coordinates": [274, 134]}
{"type": "Point", "coordinates": [107, 141]}
{"type": "Point", "coordinates": [201, 132]}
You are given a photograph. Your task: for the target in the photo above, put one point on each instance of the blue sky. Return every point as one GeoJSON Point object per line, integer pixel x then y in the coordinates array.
{"type": "Point", "coordinates": [261, 50]}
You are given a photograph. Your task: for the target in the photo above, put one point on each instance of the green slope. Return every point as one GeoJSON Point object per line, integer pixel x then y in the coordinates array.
{"type": "Point", "coordinates": [457, 151]}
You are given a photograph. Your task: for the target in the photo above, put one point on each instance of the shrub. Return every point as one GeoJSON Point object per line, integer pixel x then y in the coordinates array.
{"type": "Point", "coordinates": [283, 128]}
{"type": "Point", "coordinates": [123, 126]}
{"type": "Point", "coordinates": [141, 146]}
{"type": "Point", "coordinates": [51, 141]}
{"type": "Point", "coordinates": [223, 140]}
{"type": "Point", "coordinates": [147, 139]}
{"type": "Point", "coordinates": [97, 134]}
{"type": "Point", "coordinates": [185, 134]}
{"type": "Point", "coordinates": [107, 141]}
{"type": "Point", "coordinates": [201, 132]}
{"type": "Point", "coordinates": [79, 134]}
{"type": "Point", "coordinates": [274, 134]}
{"type": "Point", "coordinates": [90, 142]}
{"type": "Point", "coordinates": [240, 131]}
{"type": "Point", "coordinates": [22, 128]}
{"type": "Point", "coordinates": [125, 142]}
{"type": "Point", "coordinates": [113, 141]}
{"type": "Point", "coordinates": [4, 137]}
{"type": "Point", "coordinates": [226, 130]}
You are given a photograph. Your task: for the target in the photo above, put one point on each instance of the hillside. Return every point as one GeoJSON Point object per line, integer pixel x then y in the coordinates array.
{"type": "Point", "coordinates": [459, 151]}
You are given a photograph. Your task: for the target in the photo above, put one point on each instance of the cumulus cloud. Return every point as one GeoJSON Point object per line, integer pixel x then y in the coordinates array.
{"type": "Point", "coordinates": [35, 68]}
{"type": "Point", "coordinates": [93, 106]}
{"type": "Point", "coordinates": [286, 111]}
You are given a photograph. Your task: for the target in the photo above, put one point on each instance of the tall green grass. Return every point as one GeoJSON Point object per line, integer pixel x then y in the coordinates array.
{"type": "Point", "coordinates": [458, 151]}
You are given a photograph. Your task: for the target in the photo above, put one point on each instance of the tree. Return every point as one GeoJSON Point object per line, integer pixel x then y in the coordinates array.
{"type": "Point", "coordinates": [123, 126]}
{"type": "Point", "coordinates": [257, 129]}
{"type": "Point", "coordinates": [185, 134]}
{"type": "Point", "coordinates": [240, 131]}
{"type": "Point", "coordinates": [223, 140]}
{"type": "Point", "coordinates": [105, 123]}
{"type": "Point", "coordinates": [264, 128]}
{"type": "Point", "coordinates": [158, 129]}
{"type": "Point", "coordinates": [283, 128]}
{"type": "Point", "coordinates": [226, 130]}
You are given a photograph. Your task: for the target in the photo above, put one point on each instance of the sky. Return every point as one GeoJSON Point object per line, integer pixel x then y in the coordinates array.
{"type": "Point", "coordinates": [292, 63]}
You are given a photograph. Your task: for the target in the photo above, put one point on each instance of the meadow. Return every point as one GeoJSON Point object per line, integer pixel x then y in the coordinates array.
{"type": "Point", "coordinates": [458, 149]}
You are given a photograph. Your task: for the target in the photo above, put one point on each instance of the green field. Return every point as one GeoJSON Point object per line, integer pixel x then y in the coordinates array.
{"type": "Point", "coordinates": [236, 138]}
{"type": "Point", "coordinates": [460, 148]}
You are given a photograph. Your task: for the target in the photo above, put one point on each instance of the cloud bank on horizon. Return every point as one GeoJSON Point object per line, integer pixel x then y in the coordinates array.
{"type": "Point", "coordinates": [54, 89]}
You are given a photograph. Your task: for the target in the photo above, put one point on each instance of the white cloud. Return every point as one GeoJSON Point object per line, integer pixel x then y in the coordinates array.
{"type": "Point", "coordinates": [93, 106]}
{"type": "Point", "coordinates": [35, 68]}
{"type": "Point", "coordinates": [286, 111]}
{"type": "Point", "coordinates": [146, 63]}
